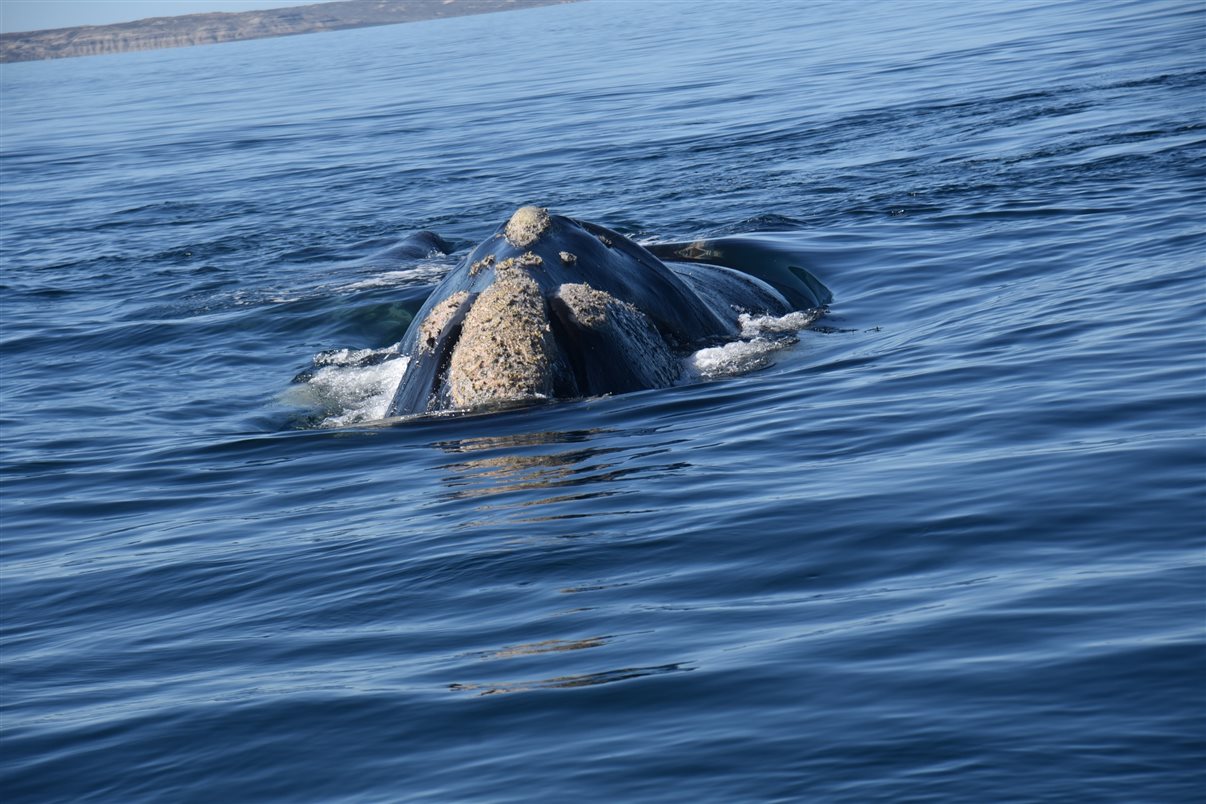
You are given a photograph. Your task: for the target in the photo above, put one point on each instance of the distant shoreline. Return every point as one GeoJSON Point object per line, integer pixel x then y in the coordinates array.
{"type": "Point", "coordinates": [207, 29]}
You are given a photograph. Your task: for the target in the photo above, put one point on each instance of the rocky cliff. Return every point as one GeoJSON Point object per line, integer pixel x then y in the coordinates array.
{"type": "Point", "coordinates": [208, 29]}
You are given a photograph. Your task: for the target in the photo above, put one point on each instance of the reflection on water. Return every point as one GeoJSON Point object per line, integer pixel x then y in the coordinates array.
{"type": "Point", "coordinates": [582, 680]}
{"type": "Point", "coordinates": [482, 443]}
{"type": "Point", "coordinates": [544, 646]}
{"type": "Point", "coordinates": [517, 463]}
{"type": "Point", "coordinates": [559, 476]}
{"type": "Point", "coordinates": [599, 587]}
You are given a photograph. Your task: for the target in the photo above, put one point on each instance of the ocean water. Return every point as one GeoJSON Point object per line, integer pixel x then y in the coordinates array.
{"type": "Point", "coordinates": [948, 545]}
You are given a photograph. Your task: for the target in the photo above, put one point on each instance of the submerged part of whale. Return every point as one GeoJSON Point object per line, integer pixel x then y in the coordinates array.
{"type": "Point", "coordinates": [766, 257]}
{"type": "Point", "coordinates": [414, 246]}
{"type": "Point", "coordinates": [549, 307]}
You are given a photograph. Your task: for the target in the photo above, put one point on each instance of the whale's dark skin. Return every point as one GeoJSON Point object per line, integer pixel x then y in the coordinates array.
{"type": "Point", "coordinates": [552, 307]}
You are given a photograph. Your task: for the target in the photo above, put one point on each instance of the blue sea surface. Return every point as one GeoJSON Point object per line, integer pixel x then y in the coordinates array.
{"type": "Point", "coordinates": [947, 546]}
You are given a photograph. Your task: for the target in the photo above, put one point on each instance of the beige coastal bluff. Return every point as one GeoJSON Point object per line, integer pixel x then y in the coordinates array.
{"type": "Point", "coordinates": [208, 29]}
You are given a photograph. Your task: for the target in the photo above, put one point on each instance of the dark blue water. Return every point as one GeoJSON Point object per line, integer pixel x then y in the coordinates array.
{"type": "Point", "coordinates": [949, 545]}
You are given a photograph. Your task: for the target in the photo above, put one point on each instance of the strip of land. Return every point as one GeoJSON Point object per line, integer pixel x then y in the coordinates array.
{"type": "Point", "coordinates": [208, 29]}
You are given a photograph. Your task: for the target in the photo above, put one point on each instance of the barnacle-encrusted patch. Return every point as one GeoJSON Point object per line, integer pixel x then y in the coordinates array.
{"type": "Point", "coordinates": [525, 260]}
{"type": "Point", "coordinates": [438, 318]}
{"type": "Point", "coordinates": [482, 264]}
{"type": "Point", "coordinates": [506, 348]}
{"type": "Point", "coordinates": [526, 226]}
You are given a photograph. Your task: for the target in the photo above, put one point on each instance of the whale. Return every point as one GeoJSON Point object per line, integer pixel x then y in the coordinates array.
{"type": "Point", "coordinates": [551, 307]}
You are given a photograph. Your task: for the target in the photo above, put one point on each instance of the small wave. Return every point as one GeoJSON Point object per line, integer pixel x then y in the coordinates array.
{"type": "Point", "coordinates": [244, 298]}
{"type": "Point", "coordinates": [420, 274]}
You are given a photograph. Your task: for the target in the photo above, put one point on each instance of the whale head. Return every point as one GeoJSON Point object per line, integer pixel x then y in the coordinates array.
{"type": "Point", "coordinates": [549, 307]}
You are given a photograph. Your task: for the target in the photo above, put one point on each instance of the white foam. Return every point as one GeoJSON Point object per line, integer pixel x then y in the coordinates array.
{"type": "Point", "coordinates": [753, 326]}
{"type": "Point", "coordinates": [347, 392]}
{"type": "Point", "coordinates": [753, 351]}
{"type": "Point", "coordinates": [350, 357]}
{"type": "Point", "coordinates": [735, 357]}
